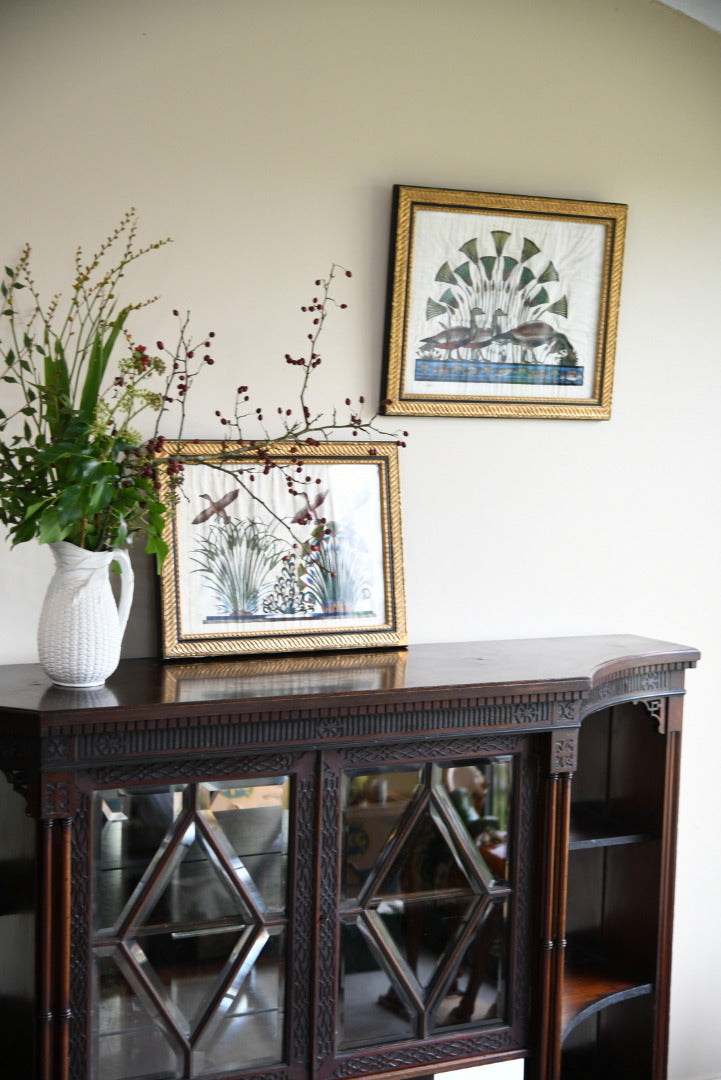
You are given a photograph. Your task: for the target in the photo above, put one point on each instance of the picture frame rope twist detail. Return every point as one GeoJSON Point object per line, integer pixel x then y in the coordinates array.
{"type": "Point", "coordinates": [298, 551]}
{"type": "Point", "coordinates": [502, 305]}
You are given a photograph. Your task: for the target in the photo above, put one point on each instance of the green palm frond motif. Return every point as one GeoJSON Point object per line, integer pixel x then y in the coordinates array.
{"type": "Point", "coordinates": [503, 281]}
{"type": "Point", "coordinates": [501, 306]}
{"type": "Point", "coordinates": [236, 559]}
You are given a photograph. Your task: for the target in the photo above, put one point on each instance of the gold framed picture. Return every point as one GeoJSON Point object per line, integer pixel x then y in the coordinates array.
{"type": "Point", "coordinates": [502, 305]}
{"type": "Point", "coordinates": [297, 550]}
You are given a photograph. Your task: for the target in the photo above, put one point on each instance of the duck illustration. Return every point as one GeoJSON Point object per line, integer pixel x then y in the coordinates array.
{"type": "Point", "coordinates": [480, 338]}
{"type": "Point", "coordinates": [457, 337]}
{"type": "Point", "coordinates": [216, 507]}
{"type": "Point", "coordinates": [533, 335]}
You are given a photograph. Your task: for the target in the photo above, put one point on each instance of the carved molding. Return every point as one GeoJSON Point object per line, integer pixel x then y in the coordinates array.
{"type": "Point", "coordinates": [187, 770]}
{"type": "Point", "coordinates": [425, 1054]}
{"type": "Point", "coordinates": [79, 954]}
{"type": "Point", "coordinates": [431, 750]}
{"type": "Point", "coordinates": [326, 933]}
{"type": "Point", "coordinates": [520, 1002]}
{"type": "Point", "coordinates": [303, 921]}
{"type": "Point", "coordinates": [627, 685]}
{"type": "Point", "coordinates": [218, 734]}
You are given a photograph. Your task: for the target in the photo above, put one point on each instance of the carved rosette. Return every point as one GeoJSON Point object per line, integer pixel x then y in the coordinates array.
{"type": "Point", "coordinates": [564, 751]}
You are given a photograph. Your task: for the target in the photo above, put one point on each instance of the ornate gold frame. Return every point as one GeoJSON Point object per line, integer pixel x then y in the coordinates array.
{"type": "Point", "coordinates": [247, 632]}
{"type": "Point", "coordinates": [586, 239]}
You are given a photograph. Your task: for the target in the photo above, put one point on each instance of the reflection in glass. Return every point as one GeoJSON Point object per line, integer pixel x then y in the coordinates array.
{"type": "Point", "coordinates": [133, 1039]}
{"type": "Point", "coordinates": [425, 890]}
{"type": "Point", "coordinates": [190, 928]}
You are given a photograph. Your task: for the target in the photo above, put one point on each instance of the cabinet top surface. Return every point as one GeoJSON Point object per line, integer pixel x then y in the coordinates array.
{"type": "Point", "coordinates": [482, 668]}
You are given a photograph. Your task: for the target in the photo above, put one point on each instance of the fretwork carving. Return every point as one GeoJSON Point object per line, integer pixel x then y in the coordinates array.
{"type": "Point", "coordinates": [656, 708]}
{"type": "Point", "coordinates": [18, 780]}
{"type": "Point", "coordinates": [147, 771]}
{"type": "Point", "coordinates": [528, 823]}
{"type": "Point", "coordinates": [80, 922]}
{"type": "Point", "coordinates": [57, 796]}
{"type": "Point", "coordinates": [564, 753]}
{"type": "Point", "coordinates": [303, 921]}
{"type": "Point", "coordinates": [427, 750]}
{"type": "Point", "coordinates": [427, 1054]}
{"type": "Point", "coordinates": [325, 1032]}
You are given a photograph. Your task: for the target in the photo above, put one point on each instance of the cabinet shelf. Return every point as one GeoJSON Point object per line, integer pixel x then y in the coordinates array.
{"type": "Point", "coordinates": [590, 985]}
{"type": "Point", "coordinates": [594, 826]}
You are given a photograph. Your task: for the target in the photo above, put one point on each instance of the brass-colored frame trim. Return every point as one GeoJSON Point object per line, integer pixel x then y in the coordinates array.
{"type": "Point", "coordinates": [387, 667]}
{"type": "Point", "coordinates": [406, 201]}
{"type": "Point", "coordinates": [389, 633]}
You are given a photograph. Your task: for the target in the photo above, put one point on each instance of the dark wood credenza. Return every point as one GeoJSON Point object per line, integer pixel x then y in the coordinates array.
{"type": "Point", "coordinates": [344, 865]}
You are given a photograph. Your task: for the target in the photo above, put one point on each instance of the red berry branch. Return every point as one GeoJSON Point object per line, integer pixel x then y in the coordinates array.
{"type": "Point", "coordinates": [243, 457]}
{"type": "Point", "coordinates": [73, 465]}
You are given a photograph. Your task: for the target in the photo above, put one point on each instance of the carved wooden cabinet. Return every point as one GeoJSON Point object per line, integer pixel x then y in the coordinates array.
{"type": "Point", "coordinates": [346, 865]}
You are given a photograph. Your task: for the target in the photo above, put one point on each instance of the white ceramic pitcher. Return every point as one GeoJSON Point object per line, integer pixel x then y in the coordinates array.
{"type": "Point", "coordinates": [81, 627]}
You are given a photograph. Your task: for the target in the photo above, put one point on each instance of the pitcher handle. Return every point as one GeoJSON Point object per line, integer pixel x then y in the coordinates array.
{"type": "Point", "coordinates": [127, 582]}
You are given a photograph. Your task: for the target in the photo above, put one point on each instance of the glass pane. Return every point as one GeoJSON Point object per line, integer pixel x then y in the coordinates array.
{"type": "Point", "coordinates": [192, 880]}
{"type": "Point", "coordinates": [189, 967]}
{"type": "Point", "coordinates": [481, 794]}
{"type": "Point", "coordinates": [199, 892]}
{"type": "Point", "coordinates": [130, 1038]}
{"type": "Point", "coordinates": [370, 1009]}
{"type": "Point", "coordinates": [247, 1029]}
{"type": "Point", "coordinates": [253, 822]}
{"type": "Point", "coordinates": [476, 992]}
{"type": "Point", "coordinates": [373, 804]}
{"type": "Point", "coordinates": [425, 899]}
{"type": "Point", "coordinates": [128, 828]}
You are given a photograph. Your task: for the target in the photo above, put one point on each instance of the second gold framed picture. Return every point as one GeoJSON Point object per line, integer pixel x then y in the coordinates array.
{"type": "Point", "coordinates": [502, 305]}
{"type": "Point", "coordinates": [297, 549]}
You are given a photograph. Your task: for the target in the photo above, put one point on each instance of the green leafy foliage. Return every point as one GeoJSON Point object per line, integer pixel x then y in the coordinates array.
{"type": "Point", "coordinates": [71, 466]}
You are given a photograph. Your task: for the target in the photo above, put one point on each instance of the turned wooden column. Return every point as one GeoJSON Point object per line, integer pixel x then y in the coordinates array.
{"type": "Point", "coordinates": [53, 805]}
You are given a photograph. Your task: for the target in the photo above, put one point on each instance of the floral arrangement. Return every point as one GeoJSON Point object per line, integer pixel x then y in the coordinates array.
{"type": "Point", "coordinates": [74, 465]}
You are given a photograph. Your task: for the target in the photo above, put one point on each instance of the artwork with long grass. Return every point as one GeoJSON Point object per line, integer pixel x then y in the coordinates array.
{"type": "Point", "coordinates": [303, 553]}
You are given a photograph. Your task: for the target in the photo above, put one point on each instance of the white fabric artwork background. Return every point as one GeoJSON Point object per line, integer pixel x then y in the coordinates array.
{"type": "Point", "coordinates": [351, 508]}
{"type": "Point", "coordinates": [576, 250]}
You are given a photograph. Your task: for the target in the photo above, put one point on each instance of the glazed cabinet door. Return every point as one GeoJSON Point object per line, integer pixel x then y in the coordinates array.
{"type": "Point", "coordinates": [197, 924]}
{"type": "Point", "coordinates": [426, 904]}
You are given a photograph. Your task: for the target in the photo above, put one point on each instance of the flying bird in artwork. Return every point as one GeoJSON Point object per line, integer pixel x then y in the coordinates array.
{"type": "Point", "coordinates": [216, 507]}
{"type": "Point", "coordinates": [309, 510]}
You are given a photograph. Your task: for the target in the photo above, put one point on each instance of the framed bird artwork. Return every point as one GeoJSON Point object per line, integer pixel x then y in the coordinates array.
{"type": "Point", "coordinates": [502, 305]}
{"type": "Point", "coordinates": [294, 550]}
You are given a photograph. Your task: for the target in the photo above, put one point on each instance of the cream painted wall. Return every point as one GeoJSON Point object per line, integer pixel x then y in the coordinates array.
{"type": "Point", "coordinates": [265, 138]}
